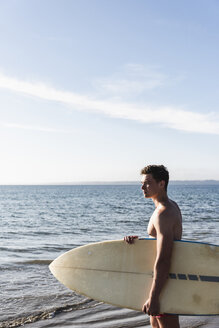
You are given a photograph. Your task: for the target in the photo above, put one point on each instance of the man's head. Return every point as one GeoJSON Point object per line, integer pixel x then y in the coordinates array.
{"type": "Point", "coordinates": [155, 177]}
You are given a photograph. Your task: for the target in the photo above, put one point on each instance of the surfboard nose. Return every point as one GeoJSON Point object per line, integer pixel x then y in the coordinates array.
{"type": "Point", "coordinates": [52, 268]}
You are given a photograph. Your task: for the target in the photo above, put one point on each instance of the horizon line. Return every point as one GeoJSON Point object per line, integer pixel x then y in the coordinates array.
{"type": "Point", "coordinates": [116, 182]}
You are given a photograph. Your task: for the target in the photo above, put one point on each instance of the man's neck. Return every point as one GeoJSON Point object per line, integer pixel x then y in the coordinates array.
{"type": "Point", "coordinates": [161, 198]}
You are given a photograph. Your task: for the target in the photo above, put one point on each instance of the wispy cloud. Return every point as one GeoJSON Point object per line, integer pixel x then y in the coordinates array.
{"type": "Point", "coordinates": [167, 116]}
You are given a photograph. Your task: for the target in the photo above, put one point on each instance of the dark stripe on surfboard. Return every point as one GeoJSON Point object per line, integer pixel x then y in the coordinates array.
{"type": "Point", "coordinates": [182, 276]}
{"type": "Point", "coordinates": [209, 278]}
{"type": "Point", "coordinates": [194, 277]}
{"type": "Point", "coordinates": [172, 276]}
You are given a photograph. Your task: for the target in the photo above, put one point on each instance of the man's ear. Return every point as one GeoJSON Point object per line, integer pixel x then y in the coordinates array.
{"type": "Point", "coordinates": [162, 184]}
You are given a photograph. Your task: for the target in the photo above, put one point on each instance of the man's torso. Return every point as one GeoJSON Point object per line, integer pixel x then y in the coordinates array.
{"type": "Point", "coordinates": [171, 210]}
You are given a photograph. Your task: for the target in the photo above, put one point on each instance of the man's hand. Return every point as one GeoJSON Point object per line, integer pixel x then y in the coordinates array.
{"type": "Point", "coordinates": [130, 239]}
{"type": "Point", "coordinates": [151, 307]}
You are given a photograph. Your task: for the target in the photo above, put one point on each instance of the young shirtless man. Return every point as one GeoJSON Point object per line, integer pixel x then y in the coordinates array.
{"type": "Point", "coordinates": [166, 226]}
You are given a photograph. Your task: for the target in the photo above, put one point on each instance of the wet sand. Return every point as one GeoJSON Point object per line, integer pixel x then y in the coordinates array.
{"type": "Point", "coordinates": [106, 316]}
{"type": "Point", "coordinates": [185, 322]}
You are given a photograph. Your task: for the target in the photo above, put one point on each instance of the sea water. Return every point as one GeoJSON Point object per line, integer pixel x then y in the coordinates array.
{"type": "Point", "coordinates": [38, 223]}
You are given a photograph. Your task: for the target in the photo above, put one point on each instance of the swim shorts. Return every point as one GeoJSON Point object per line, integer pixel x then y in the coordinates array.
{"type": "Point", "coordinates": [161, 315]}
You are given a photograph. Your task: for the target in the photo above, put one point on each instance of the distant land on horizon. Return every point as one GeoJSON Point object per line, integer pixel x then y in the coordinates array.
{"type": "Point", "coordinates": [171, 182]}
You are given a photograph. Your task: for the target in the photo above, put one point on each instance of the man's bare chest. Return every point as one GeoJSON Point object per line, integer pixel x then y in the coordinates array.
{"type": "Point", "coordinates": [151, 229]}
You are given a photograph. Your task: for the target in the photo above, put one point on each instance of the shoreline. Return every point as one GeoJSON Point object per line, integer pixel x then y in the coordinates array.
{"type": "Point", "coordinates": [104, 316]}
{"type": "Point", "coordinates": [139, 321]}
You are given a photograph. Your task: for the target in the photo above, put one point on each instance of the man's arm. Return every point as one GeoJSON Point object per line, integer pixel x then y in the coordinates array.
{"type": "Point", "coordinates": [164, 230]}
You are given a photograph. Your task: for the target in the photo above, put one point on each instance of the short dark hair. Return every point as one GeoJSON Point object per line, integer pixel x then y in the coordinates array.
{"type": "Point", "coordinates": [159, 173]}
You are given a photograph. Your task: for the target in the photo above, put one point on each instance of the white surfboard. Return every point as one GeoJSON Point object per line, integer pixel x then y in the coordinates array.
{"type": "Point", "coordinates": [121, 274]}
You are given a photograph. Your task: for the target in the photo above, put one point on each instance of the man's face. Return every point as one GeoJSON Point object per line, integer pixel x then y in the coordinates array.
{"type": "Point", "coordinates": [150, 186]}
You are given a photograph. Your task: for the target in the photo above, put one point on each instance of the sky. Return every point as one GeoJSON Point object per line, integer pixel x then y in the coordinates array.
{"type": "Point", "coordinates": [94, 90]}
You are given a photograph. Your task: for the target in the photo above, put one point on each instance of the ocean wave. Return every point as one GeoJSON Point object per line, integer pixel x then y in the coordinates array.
{"type": "Point", "coordinates": [17, 250]}
{"type": "Point", "coordinates": [35, 262]}
{"type": "Point", "coordinates": [48, 314]}
{"type": "Point", "coordinates": [33, 250]}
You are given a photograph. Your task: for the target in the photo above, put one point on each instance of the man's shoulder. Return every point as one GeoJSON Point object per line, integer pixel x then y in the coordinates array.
{"type": "Point", "coordinates": [174, 204]}
{"type": "Point", "coordinates": [168, 219]}
{"type": "Point", "coordinates": [170, 207]}
{"type": "Point", "coordinates": [164, 213]}
{"type": "Point", "coordinates": [163, 216]}
{"type": "Point", "coordinates": [167, 213]}
{"type": "Point", "coordinates": [163, 222]}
